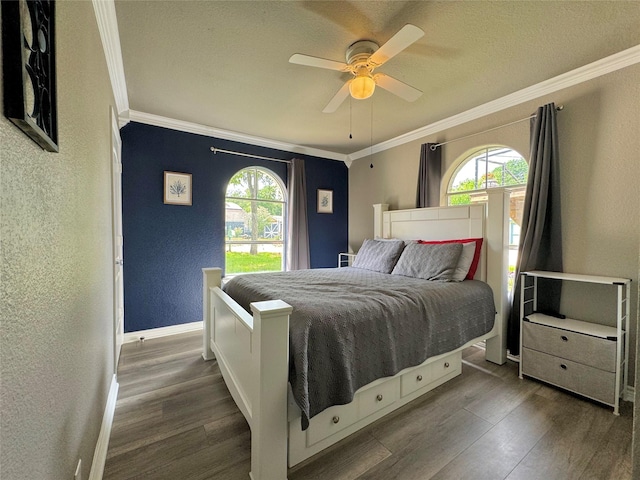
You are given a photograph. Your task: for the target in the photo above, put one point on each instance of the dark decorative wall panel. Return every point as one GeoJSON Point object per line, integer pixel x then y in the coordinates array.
{"type": "Point", "coordinates": [29, 69]}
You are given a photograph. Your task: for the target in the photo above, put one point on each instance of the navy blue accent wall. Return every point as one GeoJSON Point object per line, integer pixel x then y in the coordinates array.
{"type": "Point", "coordinates": [166, 246]}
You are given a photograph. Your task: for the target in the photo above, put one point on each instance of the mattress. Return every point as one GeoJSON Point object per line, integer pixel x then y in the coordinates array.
{"type": "Point", "coordinates": [351, 326]}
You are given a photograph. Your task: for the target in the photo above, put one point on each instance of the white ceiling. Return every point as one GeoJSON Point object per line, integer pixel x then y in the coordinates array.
{"type": "Point", "coordinates": [224, 64]}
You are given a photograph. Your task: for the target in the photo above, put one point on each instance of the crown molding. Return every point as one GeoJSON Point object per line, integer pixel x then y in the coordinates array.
{"type": "Point", "coordinates": [105, 11]}
{"type": "Point", "coordinates": [108, 26]}
{"type": "Point", "coordinates": [612, 63]}
{"type": "Point", "coordinates": [159, 121]}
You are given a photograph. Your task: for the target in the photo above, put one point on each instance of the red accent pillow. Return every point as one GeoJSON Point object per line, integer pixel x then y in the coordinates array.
{"type": "Point", "coordinates": [476, 255]}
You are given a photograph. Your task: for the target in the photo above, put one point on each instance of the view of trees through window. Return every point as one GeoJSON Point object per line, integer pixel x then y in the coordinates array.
{"type": "Point", "coordinates": [487, 168]}
{"type": "Point", "coordinates": [491, 167]}
{"type": "Point", "coordinates": [254, 222]}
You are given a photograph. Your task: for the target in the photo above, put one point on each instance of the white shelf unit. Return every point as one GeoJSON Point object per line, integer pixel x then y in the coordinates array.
{"type": "Point", "coordinates": [587, 358]}
{"type": "Point", "coordinates": [345, 259]}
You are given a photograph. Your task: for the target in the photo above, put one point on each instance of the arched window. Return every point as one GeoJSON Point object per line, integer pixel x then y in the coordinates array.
{"type": "Point", "coordinates": [490, 167]}
{"type": "Point", "coordinates": [254, 222]}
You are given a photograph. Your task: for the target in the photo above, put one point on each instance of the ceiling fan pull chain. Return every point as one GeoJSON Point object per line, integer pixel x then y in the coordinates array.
{"type": "Point", "coordinates": [350, 119]}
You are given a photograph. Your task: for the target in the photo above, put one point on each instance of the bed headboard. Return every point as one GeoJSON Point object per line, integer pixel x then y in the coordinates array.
{"type": "Point", "coordinates": [488, 220]}
{"type": "Point", "coordinates": [437, 223]}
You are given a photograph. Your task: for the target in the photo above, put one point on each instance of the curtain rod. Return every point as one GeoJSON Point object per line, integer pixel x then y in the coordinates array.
{"type": "Point", "coordinates": [216, 150]}
{"type": "Point", "coordinates": [433, 147]}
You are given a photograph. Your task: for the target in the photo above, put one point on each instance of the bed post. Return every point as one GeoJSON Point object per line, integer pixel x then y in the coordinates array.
{"type": "Point", "coordinates": [497, 235]}
{"type": "Point", "coordinates": [378, 222]}
{"type": "Point", "coordinates": [211, 277]}
{"type": "Point", "coordinates": [269, 410]}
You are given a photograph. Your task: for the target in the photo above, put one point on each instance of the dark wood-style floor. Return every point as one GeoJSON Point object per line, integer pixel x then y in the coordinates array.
{"type": "Point", "coordinates": [175, 420]}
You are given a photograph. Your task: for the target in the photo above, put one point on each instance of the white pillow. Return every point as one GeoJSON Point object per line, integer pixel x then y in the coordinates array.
{"type": "Point", "coordinates": [464, 262]}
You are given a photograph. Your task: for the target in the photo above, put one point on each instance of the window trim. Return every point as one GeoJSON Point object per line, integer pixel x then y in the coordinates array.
{"type": "Point", "coordinates": [461, 162]}
{"type": "Point", "coordinates": [285, 219]}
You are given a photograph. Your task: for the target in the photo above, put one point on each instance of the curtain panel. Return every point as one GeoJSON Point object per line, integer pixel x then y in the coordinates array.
{"type": "Point", "coordinates": [540, 245]}
{"type": "Point", "coordinates": [297, 229]}
{"type": "Point", "coordinates": [429, 176]}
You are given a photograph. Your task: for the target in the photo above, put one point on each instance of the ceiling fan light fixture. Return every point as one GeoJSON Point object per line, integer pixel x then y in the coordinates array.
{"type": "Point", "coordinates": [362, 86]}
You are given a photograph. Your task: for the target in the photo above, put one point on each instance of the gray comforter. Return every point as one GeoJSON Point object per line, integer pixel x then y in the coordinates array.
{"type": "Point", "coordinates": [351, 326]}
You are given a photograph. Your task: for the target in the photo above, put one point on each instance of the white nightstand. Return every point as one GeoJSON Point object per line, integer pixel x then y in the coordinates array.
{"type": "Point", "coordinates": [587, 358]}
{"type": "Point", "coordinates": [345, 259]}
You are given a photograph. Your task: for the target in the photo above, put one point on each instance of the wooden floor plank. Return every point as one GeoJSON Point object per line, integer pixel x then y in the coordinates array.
{"type": "Point", "coordinates": [160, 394]}
{"type": "Point", "coordinates": [175, 419]}
{"type": "Point", "coordinates": [399, 431]}
{"type": "Point", "coordinates": [612, 460]}
{"type": "Point", "coordinates": [143, 433]}
{"type": "Point", "coordinates": [497, 403]}
{"type": "Point", "coordinates": [500, 450]}
{"type": "Point", "coordinates": [429, 452]}
{"type": "Point", "coordinates": [346, 461]}
{"type": "Point", "coordinates": [228, 460]}
{"type": "Point", "coordinates": [565, 451]}
{"type": "Point", "coordinates": [154, 455]}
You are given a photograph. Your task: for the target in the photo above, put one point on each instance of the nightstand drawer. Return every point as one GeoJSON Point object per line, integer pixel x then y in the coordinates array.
{"type": "Point", "coordinates": [578, 378]}
{"type": "Point", "coordinates": [593, 351]}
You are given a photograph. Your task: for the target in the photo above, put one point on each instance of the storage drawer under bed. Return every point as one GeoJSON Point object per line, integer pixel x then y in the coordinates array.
{"type": "Point", "coordinates": [422, 376]}
{"type": "Point", "coordinates": [371, 399]}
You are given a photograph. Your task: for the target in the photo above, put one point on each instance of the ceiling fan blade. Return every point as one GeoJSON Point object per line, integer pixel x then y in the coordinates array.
{"type": "Point", "coordinates": [397, 87]}
{"type": "Point", "coordinates": [337, 99]}
{"type": "Point", "coordinates": [309, 61]}
{"type": "Point", "coordinates": [401, 40]}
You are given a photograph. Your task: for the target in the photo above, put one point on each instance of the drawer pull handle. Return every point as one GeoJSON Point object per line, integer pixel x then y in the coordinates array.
{"type": "Point", "coordinates": [419, 378]}
{"type": "Point", "coordinates": [563, 366]}
{"type": "Point", "coordinates": [564, 338]}
{"type": "Point", "coordinates": [446, 364]}
{"type": "Point", "coordinates": [336, 419]}
{"type": "Point", "coordinates": [379, 397]}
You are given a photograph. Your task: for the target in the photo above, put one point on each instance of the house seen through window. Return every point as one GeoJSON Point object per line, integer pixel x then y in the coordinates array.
{"type": "Point", "coordinates": [491, 167]}
{"type": "Point", "coordinates": [254, 222]}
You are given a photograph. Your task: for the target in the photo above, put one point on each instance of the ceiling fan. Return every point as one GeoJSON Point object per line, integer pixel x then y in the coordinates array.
{"type": "Point", "coordinates": [363, 57]}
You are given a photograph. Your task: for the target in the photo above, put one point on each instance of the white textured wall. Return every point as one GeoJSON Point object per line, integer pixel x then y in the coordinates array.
{"type": "Point", "coordinates": [56, 278]}
{"type": "Point", "coordinates": [600, 176]}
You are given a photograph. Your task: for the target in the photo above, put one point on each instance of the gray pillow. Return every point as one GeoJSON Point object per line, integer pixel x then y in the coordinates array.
{"type": "Point", "coordinates": [378, 255]}
{"type": "Point", "coordinates": [429, 261]}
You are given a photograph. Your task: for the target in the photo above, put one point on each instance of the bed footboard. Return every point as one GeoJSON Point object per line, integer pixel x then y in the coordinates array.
{"type": "Point", "coordinates": [253, 355]}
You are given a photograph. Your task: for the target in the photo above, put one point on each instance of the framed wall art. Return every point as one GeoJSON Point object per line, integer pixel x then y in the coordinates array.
{"type": "Point", "coordinates": [29, 69]}
{"type": "Point", "coordinates": [325, 201]}
{"type": "Point", "coordinates": [177, 188]}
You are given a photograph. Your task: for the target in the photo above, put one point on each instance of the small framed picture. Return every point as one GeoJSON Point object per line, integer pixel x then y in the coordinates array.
{"type": "Point", "coordinates": [177, 188]}
{"type": "Point", "coordinates": [325, 201]}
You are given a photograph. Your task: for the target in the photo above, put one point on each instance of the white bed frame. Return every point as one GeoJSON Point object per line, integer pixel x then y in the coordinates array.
{"type": "Point", "coordinates": [253, 351]}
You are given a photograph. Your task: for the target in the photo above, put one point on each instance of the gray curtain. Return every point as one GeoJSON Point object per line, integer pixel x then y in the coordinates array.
{"type": "Point", "coordinates": [429, 176]}
{"type": "Point", "coordinates": [297, 230]}
{"type": "Point", "coordinates": [540, 245]}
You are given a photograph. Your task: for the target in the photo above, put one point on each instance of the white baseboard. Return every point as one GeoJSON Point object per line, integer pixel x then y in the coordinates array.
{"type": "Point", "coordinates": [162, 331]}
{"type": "Point", "coordinates": [100, 453]}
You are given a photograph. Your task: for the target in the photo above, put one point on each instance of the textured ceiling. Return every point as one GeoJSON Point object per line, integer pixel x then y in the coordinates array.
{"type": "Point", "coordinates": [224, 64]}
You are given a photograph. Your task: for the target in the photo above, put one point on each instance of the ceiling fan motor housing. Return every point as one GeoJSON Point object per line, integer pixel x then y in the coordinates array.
{"type": "Point", "coordinates": [360, 51]}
